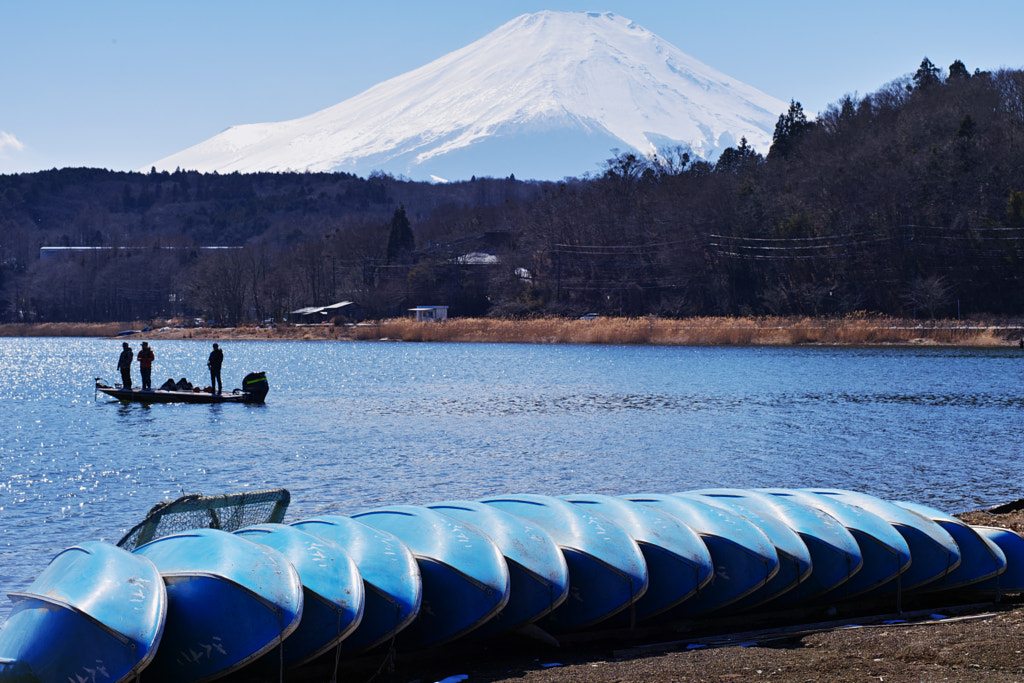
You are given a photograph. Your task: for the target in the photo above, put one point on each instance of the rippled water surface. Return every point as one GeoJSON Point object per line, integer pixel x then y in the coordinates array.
{"type": "Point", "coordinates": [352, 425]}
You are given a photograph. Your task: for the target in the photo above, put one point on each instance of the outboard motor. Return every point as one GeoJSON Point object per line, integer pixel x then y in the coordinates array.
{"type": "Point", "coordinates": [255, 385]}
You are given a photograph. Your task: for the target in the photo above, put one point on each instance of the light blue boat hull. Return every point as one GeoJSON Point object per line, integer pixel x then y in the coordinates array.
{"type": "Point", "coordinates": [95, 608]}
{"type": "Point", "coordinates": [538, 574]}
{"type": "Point", "coordinates": [794, 557]}
{"type": "Point", "coordinates": [678, 562]}
{"type": "Point", "coordinates": [229, 602]}
{"type": "Point", "coordinates": [835, 556]}
{"type": "Point", "coordinates": [333, 598]}
{"type": "Point", "coordinates": [1011, 544]}
{"type": "Point", "coordinates": [465, 578]}
{"type": "Point", "coordinates": [392, 587]}
{"type": "Point", "coordinates": [744, 558]}
{"type": "Point", "coordinates": [933, 552]}
{"type": "Point", "coordinates": [885, 551]}
{"type": "Point", "coordinates": [203, 604]}
{"type": "Point", "coordinates": [607, 572]}
{"type": "Point", "coordinates": [980, 558]}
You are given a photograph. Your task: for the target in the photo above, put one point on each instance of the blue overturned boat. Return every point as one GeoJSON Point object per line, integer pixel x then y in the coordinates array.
{"type": "Point", "coordinates": [201, 604]}
{"type": "Point", "coordinates": [743, 557]}
{"type": "Point", "coordinates": [465, 578]}
{"type": "Point", "coordinates": [332, 590]}
{"type": "Point", "coordinates": [607, 572]}
{"type": "Point", "coordinates": [538, 574]}
{"type": "Point", "coordinates": [834, 556]}
{"type": "Point", "coordinates": [980, 558]}
{"type": "Point", "coordinates": [933, 552]}
{"type": "Point", "coordinates": [393, 589]}
{"type": "Point", "coordinates": [229, 601]}
{"type": "Point", "coordinates": [96, 610]}
{"type": "Point", "coordinates": [1011, 579]}
{"type": "Point", "coordinates": [794, 558]}
{"type": "Point", "coordinates": [884, 550]}
{"type": "Point", "coordinates": [678, 562]}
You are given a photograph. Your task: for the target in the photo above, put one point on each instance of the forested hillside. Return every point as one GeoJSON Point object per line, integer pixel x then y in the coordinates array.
{"type": "Point", "coordinates": [907, 201]}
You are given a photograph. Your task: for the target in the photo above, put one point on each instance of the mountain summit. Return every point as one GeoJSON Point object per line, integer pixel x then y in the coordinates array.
{"type": "Point", "coordinates": [545, 96]}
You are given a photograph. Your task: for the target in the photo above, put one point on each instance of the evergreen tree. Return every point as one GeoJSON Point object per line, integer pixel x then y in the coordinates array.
{"type": "Point", "coordinates": [788, 128]}
{"type": "Point", "coordinates": [738, 159]}
{"type": "Point", "coordinates": [958, 72]}
{"type": "Point", "coordinates": [400, 240]}
{"type": "Point", "coordinates": [927, 75]}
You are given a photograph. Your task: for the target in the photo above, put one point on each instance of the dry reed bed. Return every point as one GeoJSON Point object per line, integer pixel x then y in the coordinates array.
{"type": "Point", "coordinates": [851, 331]}
{"type": "Point", "coordinates": [855, 330]}
{"type": "Point", "coordinates": [62, 329]}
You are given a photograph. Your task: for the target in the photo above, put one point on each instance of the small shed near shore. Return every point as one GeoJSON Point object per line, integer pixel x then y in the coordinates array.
{"type": "Point", "coordinates": [429, 313]}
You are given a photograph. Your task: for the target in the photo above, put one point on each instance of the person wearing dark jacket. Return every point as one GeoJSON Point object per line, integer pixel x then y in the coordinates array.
{"type": "Point", "coordinates": [146, 358]}
{"type": "Point", "coordinates": [124, 365]}
{"type": "Point", "coordinates": [214, 363]}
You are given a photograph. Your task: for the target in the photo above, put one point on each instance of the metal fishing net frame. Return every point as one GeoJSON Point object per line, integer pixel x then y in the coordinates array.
{"type": "Point", "coordinates": [228, 512]}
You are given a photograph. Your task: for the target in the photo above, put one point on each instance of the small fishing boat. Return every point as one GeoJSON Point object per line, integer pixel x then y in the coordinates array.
{"type": "Point", "coordinates": [95, 608]}
{"type": "Point", "coordinates": [254, 390]}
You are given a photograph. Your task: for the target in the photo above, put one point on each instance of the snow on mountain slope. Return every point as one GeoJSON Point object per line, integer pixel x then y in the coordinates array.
{"type": "Point", "coordinates": [545, 96]}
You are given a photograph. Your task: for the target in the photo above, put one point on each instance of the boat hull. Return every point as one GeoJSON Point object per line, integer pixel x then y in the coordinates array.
{"type": "Point", "coordinates": [538, 574]}
{"type": "Point", "coordinates": [230, 601]}
{"type": "Point", "coordinates": [465, 578]}
{"type": "Point", "coordinates": [393, 588]}
{"type": "Point", "coordinates": [934, 553]}
{"type": "Point", "coordinates": [1011, 544]}
{"type": "Point", "coordinates": [95, 607]}
{"type": "Point", "coordinates": [743, 557]}
{"type": "Point", "coordinates": [332, 589]}
{"type": "Point", "coordinates": [981, 559]}
{"type": "Point", "coordinates": [835, 556]}
{"type": "Point", "coordinates": [164, 396]}
{"type": "Point", "coordinates": [885, 551]}
{"type": "Point", "coordinates": [607, 571]}
{"type": "Point", "coordinates": [678, 562]}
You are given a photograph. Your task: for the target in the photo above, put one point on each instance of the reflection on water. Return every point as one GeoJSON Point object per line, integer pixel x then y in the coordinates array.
{"type": "Point", "coordinates": [353, 425]}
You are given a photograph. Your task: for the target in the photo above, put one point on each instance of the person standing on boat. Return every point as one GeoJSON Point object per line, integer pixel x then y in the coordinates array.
{"type": "Point", "coordinates": [124, 364]}
{"type": "Point", "coordinates": [146, 358]}
{"type": "Point", "coordinates": [214, 363]}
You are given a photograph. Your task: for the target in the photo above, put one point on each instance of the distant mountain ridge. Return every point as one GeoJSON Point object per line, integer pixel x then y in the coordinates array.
{"type": "Point", "coordinates": [546, 95]}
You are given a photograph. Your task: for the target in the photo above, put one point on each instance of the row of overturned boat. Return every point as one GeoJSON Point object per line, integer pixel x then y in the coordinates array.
{"type": "Point", "coordinates": [200, 604]}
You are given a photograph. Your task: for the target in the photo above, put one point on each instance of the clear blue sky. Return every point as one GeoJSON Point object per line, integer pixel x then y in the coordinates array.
{"type": "Point", "coordinates": [120, 84]}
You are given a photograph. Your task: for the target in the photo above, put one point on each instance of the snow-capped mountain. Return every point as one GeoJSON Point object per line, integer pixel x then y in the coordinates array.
{"type": "Point", "coordinates": [545, 96]}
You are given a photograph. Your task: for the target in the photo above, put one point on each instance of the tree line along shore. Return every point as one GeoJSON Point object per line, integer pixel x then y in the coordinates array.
{"type": "Point", "coordinates": [854, 330]}
{"type": "Point", "coordinates": [908, 201]}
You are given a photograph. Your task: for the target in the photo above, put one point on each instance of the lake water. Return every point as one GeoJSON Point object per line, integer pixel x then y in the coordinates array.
{"type": "Point", "coordinates": [349, 426]}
